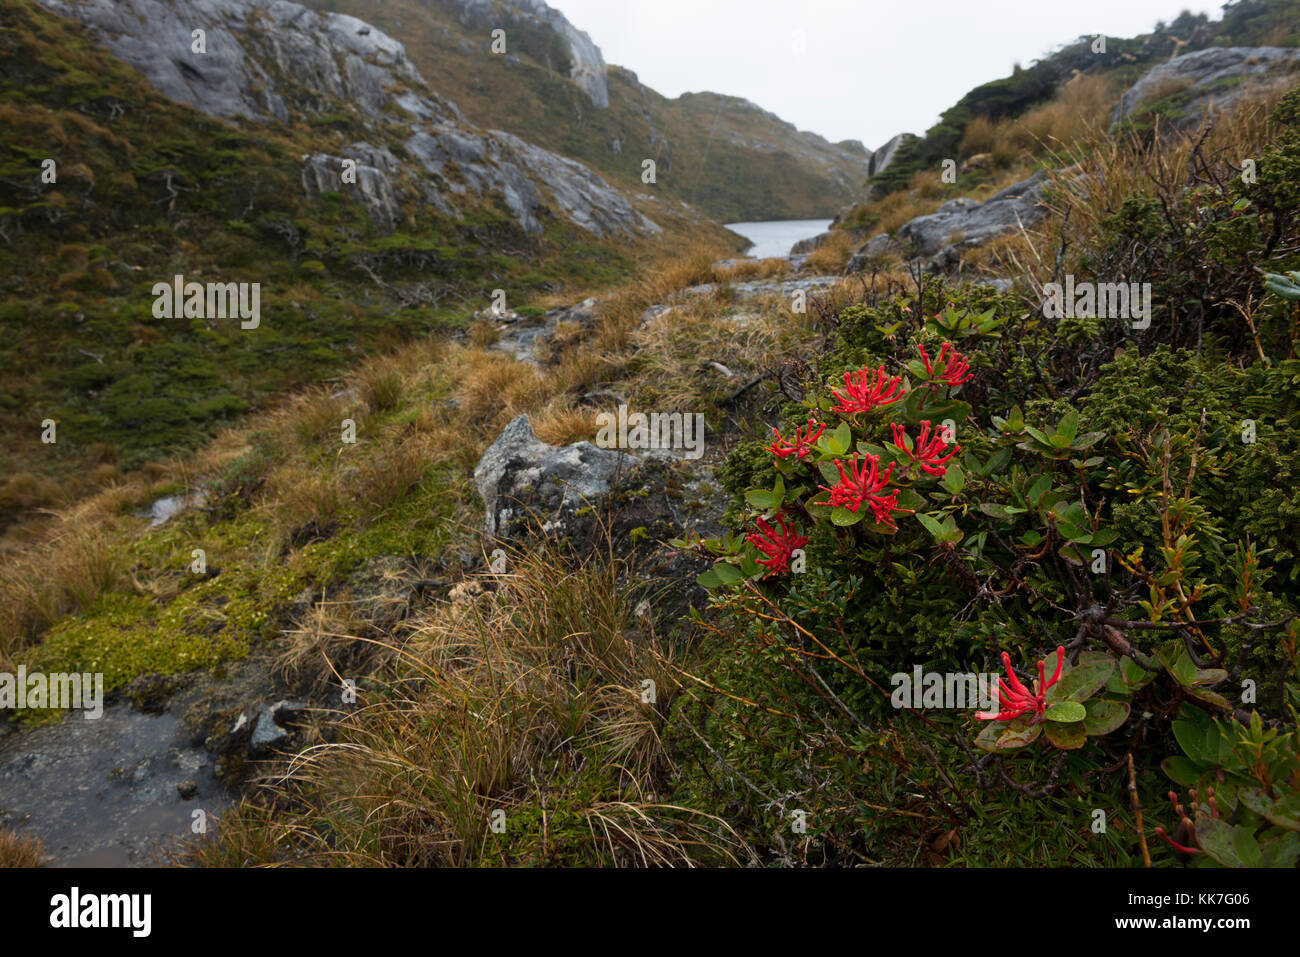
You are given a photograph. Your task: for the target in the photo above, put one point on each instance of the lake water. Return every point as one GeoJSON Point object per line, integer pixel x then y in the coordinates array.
{"type": "Point", "coordinates": [774, 238]}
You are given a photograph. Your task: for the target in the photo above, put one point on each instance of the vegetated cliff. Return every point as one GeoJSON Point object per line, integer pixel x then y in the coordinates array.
{"type": "Point", "coordinates": [551, 87]}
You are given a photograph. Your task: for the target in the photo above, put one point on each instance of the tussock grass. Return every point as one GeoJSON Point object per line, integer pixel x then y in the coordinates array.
{"type": "Point", "coordinates": [66, 574]}
{"type": "Point", "coordinates": [526, 695]}
{"type": "Point", "coordinates": [20, 850]}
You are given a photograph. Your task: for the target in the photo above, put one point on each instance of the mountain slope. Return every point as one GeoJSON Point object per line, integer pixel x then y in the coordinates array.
{"type": "Point", "coordinates": [144, 189]}
{"type": "Point", "coordinates": [722, 154]}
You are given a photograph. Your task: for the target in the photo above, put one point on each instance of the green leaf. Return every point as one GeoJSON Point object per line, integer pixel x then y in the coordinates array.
{"type": "Point", "coordinates": [1019, 734]}
{"type": "Point", "coordinates": [954, 479]}
{"type": "Point", "coordinates": [1191, 738]}
{"type": "Point", "coordinates": [1281, 851]}
{"type": "Point", "coordinates": [1181, 770]}
{"type": "Point", "coordinates": [1105, 716]}
{"type": "Point", "coordinates": [1068, 426]}
{"type": "Point", "coordinates": [846, 518]}
{"type": "Point", "coordinates": [1066, 736]}
{"type": "Point", "coordinates": [1066, 712]}
{"type": "Point", "coordinates": [1209, 697]}
{"type": "Point", "coordinates": [1039, 437]}
{"type": "Point", "coordinates": [1230, 846]}
{"type": "Point", "coordinates": [931, 526]}
{"type": "Point", "coordinates": [1286, 812]}
{"type": "Point", "coordinates": [843, 436]}
{"type": "Point", "coordinates": [1134, 675]}
{"type": "Point", "coordinates": [997, 510]}
{"type": "Point", "coordinates": [759, 499]}
{"type": "Point", "coordinates": [987, 739]}
{"type": "Point", "coordinates": [1083, 680]}
{"type": "Point", "coordinates": [727, 573]}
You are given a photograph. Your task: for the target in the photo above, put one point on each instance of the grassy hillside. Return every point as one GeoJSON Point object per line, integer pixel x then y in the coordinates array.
{"type": "Point", "coordinates": [722, 154]}
{"type": "Point", "coordinates": [147, 189]}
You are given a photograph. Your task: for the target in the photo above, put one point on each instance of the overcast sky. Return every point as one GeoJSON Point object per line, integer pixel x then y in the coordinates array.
{"type": "Point", "coordinates": [869, 68]}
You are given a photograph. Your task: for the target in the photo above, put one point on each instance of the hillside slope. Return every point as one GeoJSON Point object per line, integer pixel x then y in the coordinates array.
{"type": "Point", "coordinates": [722, 154]}
{"type": "Point", "coordinates": [108, 187]}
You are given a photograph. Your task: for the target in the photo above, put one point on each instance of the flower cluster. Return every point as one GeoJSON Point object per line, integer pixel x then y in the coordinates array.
{"type": "Point", "coordinates": [865, 483]}
{"type": "Point", "coordinates": [800, 444]}
{"type": "Point", "coordinates": [949, 367]}
{"type": "Point", "coordinates": [861, 394]}
{"type": "Point", "coordinates": [778, 544]}
{"type": "Point", "coordinates": [927, 452]}
{"type": "Point", "coordinates": [1016, 700]}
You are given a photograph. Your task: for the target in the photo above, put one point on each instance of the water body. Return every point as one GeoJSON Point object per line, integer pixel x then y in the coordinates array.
{"type": "Point", "coordinates": [774, 238]}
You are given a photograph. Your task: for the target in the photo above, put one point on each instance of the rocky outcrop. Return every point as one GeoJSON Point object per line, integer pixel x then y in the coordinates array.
{"type": "Point", "coordinates": [529, 487]}
{"type": "Point", "coordinates": [273, 60]}
{"type": "Point", "coordinates": [962, 223]}
{"type": "Point", "coordinates": [586, 63]}
{"type": "Point", "coordinates": [1211, 79]}
{"type": "Point", "coordinates": [370, 185]}
{"type": "Point", "coordinates": [520, 336]}
{"type": "Point", "coordinates": [882, 157]}
{"type": "Point", "coordinates": [874, 249]}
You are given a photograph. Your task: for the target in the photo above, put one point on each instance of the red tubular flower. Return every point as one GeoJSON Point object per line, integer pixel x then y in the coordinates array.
{"type": "Point", "coordinates": [862, 395]}
{"type": "Point", "coordinates": [777, 545]}
{"type": "Point", "coordinates": [949, 366]}
{"type": "Point", "coordinates": [865, 483]}
{"type": "Point", "coordinates": [1015, 699]}
{"type": "Point", "coordinates": [926, 452]}
{"type": "Point", "coordinates": [800, 444]}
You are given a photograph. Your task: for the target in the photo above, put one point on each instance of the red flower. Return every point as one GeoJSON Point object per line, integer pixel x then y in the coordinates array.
{"type": "Point", "coordinates": [926, 451]}
{"type": "Point", "coordinates": [861, 395]}
{"type": "Point", "coordinates": [1016, 700]}
{"type": "Point", "coordinates": [949, 366]}
{"type": "Point", "coordinates": [776, 545]}
{"type": "Point", "coordinates": [865, 484]}
{"type": "Point", "coordinates": [800, 444]}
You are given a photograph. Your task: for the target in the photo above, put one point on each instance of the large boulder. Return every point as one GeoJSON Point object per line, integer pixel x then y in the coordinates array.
{"type": "Point", "coordinates": [963, 223]}
{"type": "Point", "coordinates": [1210, 80]}
{"type": "Point", "coordinates": [529, 487]}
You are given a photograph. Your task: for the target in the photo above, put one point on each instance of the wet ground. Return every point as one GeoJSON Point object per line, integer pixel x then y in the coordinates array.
{"type": "Point", "coordinates": [107, 792]}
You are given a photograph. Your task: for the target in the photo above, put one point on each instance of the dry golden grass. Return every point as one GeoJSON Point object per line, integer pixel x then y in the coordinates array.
{"type": "Point", "coordinates": [1079, 111]}
{"type": "Point", "coordinates": [1092, 178]}
{"type": "Point", "coordinates": [833, 253]}
{"type": "Point", "coordinates": [751, 269]}
{"type": "Point", "coordinates": [19, 850]}
{"type": "Point", "coordinates": [79, 562]}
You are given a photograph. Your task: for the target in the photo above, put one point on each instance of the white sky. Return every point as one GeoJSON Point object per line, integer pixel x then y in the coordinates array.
{"type": "Point", "coordinates": [871, 68]}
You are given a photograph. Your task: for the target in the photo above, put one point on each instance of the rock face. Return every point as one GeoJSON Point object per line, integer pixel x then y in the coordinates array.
{"type": "Point", "coordinates": [885, 155]}
{"type": "Point", "coordinates": [1213, 78]}
{"type": "Point", "coordinates": [963, 223]}
{"type": "Point", "coordinates": [529, 486]}
{"type": "Point", "coordinates": [273, 60]}
{"type": "Point", "coordinates": [321, 173]}
{"type": "Point", "coordinates": [586, 63]}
